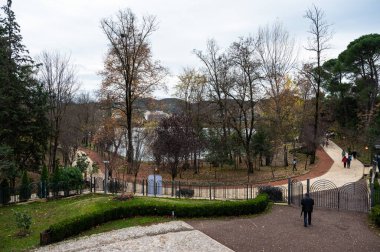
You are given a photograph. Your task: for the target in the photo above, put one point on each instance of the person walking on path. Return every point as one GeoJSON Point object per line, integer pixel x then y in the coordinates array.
{"type": "Point", "coordinates": [349, 161]}
{"type": "Point", "coordinates": [294, 164]}
{"type": "Point", "coordinates": [307, 208]}
{"type": "Point", "coordinates": [344, 160]}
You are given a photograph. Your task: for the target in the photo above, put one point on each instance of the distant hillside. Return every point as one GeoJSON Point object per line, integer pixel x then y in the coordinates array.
{"type": "Point", "coordinates": [167, 105]}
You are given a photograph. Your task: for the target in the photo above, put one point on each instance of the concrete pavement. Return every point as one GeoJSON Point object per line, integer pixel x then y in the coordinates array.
{"type": "Point", "coordinates": [171, 236]}
{"type": "Point", "coordinates": [337, 173]}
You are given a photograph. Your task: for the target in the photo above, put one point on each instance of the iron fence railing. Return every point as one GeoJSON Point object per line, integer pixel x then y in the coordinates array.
{"type": "Point", "coordinates": [352, 196]}
{"type": "Point", "coordinates": [162, 188]}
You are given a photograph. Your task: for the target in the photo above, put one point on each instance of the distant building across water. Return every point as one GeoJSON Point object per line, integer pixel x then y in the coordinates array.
{"type": "Point", "coordinates": [155, 115]}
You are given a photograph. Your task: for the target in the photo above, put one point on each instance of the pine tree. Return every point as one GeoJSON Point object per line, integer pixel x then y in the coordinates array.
{"type": "Point", "coordinates": [25, 191]}
{"type": "Point", "coordinates": [42, 186]}
{"type": "Point", "coordinates": [24, 127]}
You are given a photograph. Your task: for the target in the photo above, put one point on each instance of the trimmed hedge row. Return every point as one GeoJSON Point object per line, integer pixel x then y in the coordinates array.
{"type": "Point", "coordinates": [76, 225]}
{"type": "Point", "coordinates": [375, 215]}
{"type": "Point", "coordinates": [274, 193]}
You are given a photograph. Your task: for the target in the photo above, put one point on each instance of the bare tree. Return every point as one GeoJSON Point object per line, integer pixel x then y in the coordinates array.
{"type": "Point", "coordinates": [173, 140]}
{"type": "Point", "coordinates": [79, 125]}
{"type": "Point", "coordinates": [317, 43]}
{"type": "Point", "coordinates": [191, 88]}
{"type": "Point", "coordinates": [216, 70]}
{"type": "Point", "coordinates": [58, 76]}
{"type": "Point", "coordinates": [244, 93]}
{"type": "Point", "coordinates": [109, 138]}
{"type": "Point", "coordinates": [87, 113]}
{"type": "Point", "coordinates": [276, 50]}
{"type": "Point", "coordinates": [129, 70]}
{"type": "Point", "coordinates": [70, 134]}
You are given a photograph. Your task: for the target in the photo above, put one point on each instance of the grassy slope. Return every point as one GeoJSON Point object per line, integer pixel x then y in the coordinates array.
{"type": "Point", "coordinates": [46, 213]}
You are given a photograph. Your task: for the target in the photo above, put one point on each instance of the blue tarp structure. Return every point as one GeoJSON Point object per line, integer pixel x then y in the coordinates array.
{"type": "Point", "coordinates": [154, 184]}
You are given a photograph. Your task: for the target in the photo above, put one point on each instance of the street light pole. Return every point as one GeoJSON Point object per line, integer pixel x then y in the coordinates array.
{"type": "Point", "coordinates": [105, 175]}
{"type": "Point", "coordinates": [368, 154]}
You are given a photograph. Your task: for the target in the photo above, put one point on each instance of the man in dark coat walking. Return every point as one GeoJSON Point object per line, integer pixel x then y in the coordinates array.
{"type": "Point", "coordinates": [307, 208]}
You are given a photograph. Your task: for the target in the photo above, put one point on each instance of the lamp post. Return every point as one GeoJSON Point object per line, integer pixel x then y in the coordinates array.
{"type": "Point", "coordinates": [369, 158]}
{"type": "Point", "coordinates": [106, 162]}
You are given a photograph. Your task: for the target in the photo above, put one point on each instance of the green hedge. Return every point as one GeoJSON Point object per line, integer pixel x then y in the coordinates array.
{"type": "Point", "coordinates": [375, 215]}
{"type": "Point", "coordinates": [376, 185]}
{"type": "Point", "coordinates": [76, 225]}
{"type": "Point", "coordinates": [274, 193]}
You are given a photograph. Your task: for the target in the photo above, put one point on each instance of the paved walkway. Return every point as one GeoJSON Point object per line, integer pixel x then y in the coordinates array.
{"type": "Point", "coordinates": [337, 173]}
{"type": "Point", "coordinates": [171, 236]}
{"type": "Point", "coordinates": [282, 230]}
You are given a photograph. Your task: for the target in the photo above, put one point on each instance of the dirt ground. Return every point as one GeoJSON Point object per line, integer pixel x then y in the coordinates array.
{"type": "Point", "coordinates": [229, 174]}
{"type": "Point", "coordinates": [282, 230]}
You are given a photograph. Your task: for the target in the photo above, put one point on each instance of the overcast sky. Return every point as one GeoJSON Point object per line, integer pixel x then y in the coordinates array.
{"type": "Point", "coordinates": [73, 27]}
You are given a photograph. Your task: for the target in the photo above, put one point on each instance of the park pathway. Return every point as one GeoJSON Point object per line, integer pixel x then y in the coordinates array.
{"type": "Point", "coordinates": [282, 230]}
{"type": "Point", "coordinates": [336, 173]}
{"type": "Point", "coordinates": [171, 236]}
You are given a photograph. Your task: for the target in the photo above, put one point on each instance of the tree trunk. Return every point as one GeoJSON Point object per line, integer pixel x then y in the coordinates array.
{"type": "Point", "coordinates": [307, 156]}
{"type": "Point", "coordinates": [130, 139]}
{"type": "Point", "coordinates": [195, 163]}
{"type": "Point", "coordinates": [54, 154]}
{"type": "Point", "coordinates": [267, 160]}
{"type": "Point", "coordinates": [134, 183]}
{"type": "Point", "coordinates": [260, 160]}
{"type": "Point", "coordinates": [50, 161]}
{"type": "Point", "coordinates": [286, 164]}
{"type": "Point", "coordinates": [250, 165]}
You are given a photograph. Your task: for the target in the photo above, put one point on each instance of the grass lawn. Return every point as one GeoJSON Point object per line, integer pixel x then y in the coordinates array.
{"type": "Point", "coordinates": [46, 213]}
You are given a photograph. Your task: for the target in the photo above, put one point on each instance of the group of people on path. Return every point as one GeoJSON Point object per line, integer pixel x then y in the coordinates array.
{"type": "Point", "coordinates": [347, 158]}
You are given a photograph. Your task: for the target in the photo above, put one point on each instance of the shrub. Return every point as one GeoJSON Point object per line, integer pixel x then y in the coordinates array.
{"type": "Point", "coordinates": [375, 215]}
{"type": "Point", "coordinates": [114, 186]}
{"type": "Point", "coordinates": [5, 192]}
{"type": "Point", "coordinates": [66, 179]}
{"type": "Point", "coordinates": [73, 176]}
{"type": "Point", "coordinates": [274, 193]}
{"type": "Point", "coordinates": [188, 193]}
{"type": "Point", "coordinates": [376, 185]}
{"type": "Point", "coordinates": [302, 150]}
{"type": "Point", "coordinates": [25, 191]}
{"type": "Point", "coordinates": [82, 163]}
{"type": "Point", "coordinates": [123, 197]}
{"type": "Point", "coordinates": [72, 179]}
{"type": "Point", "coordinates": [23, 221]}
{"type": "Point", "coordinates": [74, 226]}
